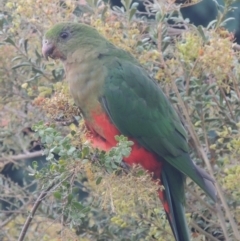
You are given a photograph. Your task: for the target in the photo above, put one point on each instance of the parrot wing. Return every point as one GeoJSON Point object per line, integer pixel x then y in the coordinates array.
{"type": "Point", "coordinates": [139, 109]}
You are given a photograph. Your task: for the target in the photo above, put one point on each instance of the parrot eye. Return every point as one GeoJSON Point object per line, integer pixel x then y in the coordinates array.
{"type": "Point", "coordinates": [64, 35]}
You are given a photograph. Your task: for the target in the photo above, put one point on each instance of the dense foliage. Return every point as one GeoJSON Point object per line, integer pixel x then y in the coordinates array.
{"type": "Point", "coordinates": [92, 195]}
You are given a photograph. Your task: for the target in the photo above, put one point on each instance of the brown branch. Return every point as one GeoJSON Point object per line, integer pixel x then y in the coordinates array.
{"type": "Point", "coordinates": [22, 156]}
{"type": "Point", "coordinates": [227, 102]}
{"type": "Point", "coordinates": [36, 205]}
{"type": "Point", "coordinates": [171, 31]}
{"type": "Point", "coordinates": [34, 209]}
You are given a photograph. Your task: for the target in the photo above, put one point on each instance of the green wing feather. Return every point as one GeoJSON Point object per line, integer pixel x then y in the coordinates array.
{"type": "Point", "coordinates": [139, 109]}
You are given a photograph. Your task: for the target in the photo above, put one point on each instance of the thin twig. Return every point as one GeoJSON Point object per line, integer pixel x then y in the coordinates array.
{"type": "Point", "coordinates": [37, 203]}
{"type": "Point", "coordinates": [209, 207]}
{"type": "Point", "coordinates": [14, 214]}
{"type": "Point", "coordinates": [227, 102]}
{"type": "Point", "coordinates": [8, 236]}
{"type": "Point", "coordinates": [194, 225]}
{"type": "Point", "coordinates": [111, 198]}
{"type": "Point", "coordinates": [189, 76]}
{"type": "Point", "coordinates": [34, 209]}
{"type": "Point", "coordinates": [235, 80]}
{"type": "Point", "coordinates": [204, 131]}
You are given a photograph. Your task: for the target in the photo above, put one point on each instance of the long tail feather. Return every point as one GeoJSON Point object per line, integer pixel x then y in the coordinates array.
{"type": "Point", "coordinates": [209, 187]}
{"type": "Point", "coordinates": [173, 201]}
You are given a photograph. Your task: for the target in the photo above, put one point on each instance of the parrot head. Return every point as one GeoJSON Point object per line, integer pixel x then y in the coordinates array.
{"type": "Point", "coordinates": [65, 38]}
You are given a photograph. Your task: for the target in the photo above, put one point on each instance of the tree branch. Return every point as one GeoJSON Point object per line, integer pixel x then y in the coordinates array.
{"type": "Point", "coordinates": [22, 156]}
{"type": "Point", "coordinates": [34, 209]}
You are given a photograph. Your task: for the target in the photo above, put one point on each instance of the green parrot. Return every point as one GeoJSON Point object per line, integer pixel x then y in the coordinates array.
{"type": "Point", "coordinates": [117, 96]}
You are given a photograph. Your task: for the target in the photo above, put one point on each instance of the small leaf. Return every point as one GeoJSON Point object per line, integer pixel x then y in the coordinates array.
{"type": "Point", "coordinates": [103, 14]}
{"type": "Point", "coordinates": [49, 140]}
{"type": "Point", "coordinates": [57, 195]}
{"type": "Point", "coordinates": [37, 70]}
{"type": "Point", "coordinates": [158, 16]}
{"type": "Point", "coordinates": [38, 55]}
{"type": "Point", "coordinates": [50, 157]}
{"type": "Point", "coordinates": [73, 133]}
{"type": "Point", "coordinates": [16, 58]}
{"type": "Point", "coordinates": [86, 209]}
{"type": "Point", "coordinates": [132, 13]}
{"type": "Point", "coordinates": [77, 205]}
{"type": "Point", "coordinates": [10, 41]}
{"type": "Point", "coordinates": [202, 34]}
{"type": "Point", "coordinates": [71, 150]}
{"type": "Point", "coordinates": [98, 181]}
{"type": "Point", "coordinates": [21, 65]}
{"type": "Point", "coordinates": [140, 173]}
{"type": "Point", "coordinates": [25, 44]}
{"type": "Point", "coordinates": [1, 23]}
{"type": "Point", "coordinates": [85, 161]}
{"type": "Point", "coordinates": [114, 166]}
{"type": "Point", "coordinates": [70, 198]}
{"type": "Point", "coordinates": [35, 165]}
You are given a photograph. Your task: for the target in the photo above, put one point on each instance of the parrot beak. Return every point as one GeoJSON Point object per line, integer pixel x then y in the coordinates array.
{"type": "Point", "coordinates": [50, 50]}
{"type": "Point", "coordinates": [47, 49]}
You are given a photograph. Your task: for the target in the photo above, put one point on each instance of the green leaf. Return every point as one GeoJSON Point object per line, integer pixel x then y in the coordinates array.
{"type": "Point", "coordinates": [202, 34]}
{"type": "Point", "coordinates": [17, 58]}
{"type": "Point", "coordinates": [21, 65]}
{"type": "Point", "coordinates": [35, 165]}
{"type": "Point", "coordinates": [85, 151]}
{"type": "Point", "coordinates": [140, 173]}
{"type": "Point", "coordinates": [85, 161]}
{"type": "Point", "coordinates": [103, 16]}
{"type": "Point", "coordinates": [126, 4]}
{"type": "Point", "coordinates": [73, 133]}
{"type": "Point", "coordinates": [158, 16]}
{"type": "Point", "coordinates": [98, 181]}
{"type": "Point", "coordinates": [71, 150]}
{"type": "Point", "coordinates": [37, 54]}
{"type": "Point", "coordinates": [132, 13]}
{"type": "Point", "coordinates": [70, 198]}
{"type": "Point", "coordinates": [49, 140]}
{"type": "Point", "coordinates": [86, 210]}
{"type": "Point", "coordinates": [25, 44]}
{"type": "Point", "coordinates": [57, 195]}
{"type": "Point", "coordinates": [52, 167]}
{"type": "Point", "coordinates": [10, 41]}
{"type": "Point", "coordinates": [50, 157]}
{"type": "Point", "coordinates": [114, 166]}
{"type": "Point", "coordinates": [37, 70]}
{"type": "Point", "coordinates": [1, 23]}
{"type": "Point", "coordinates": [77, 205]}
